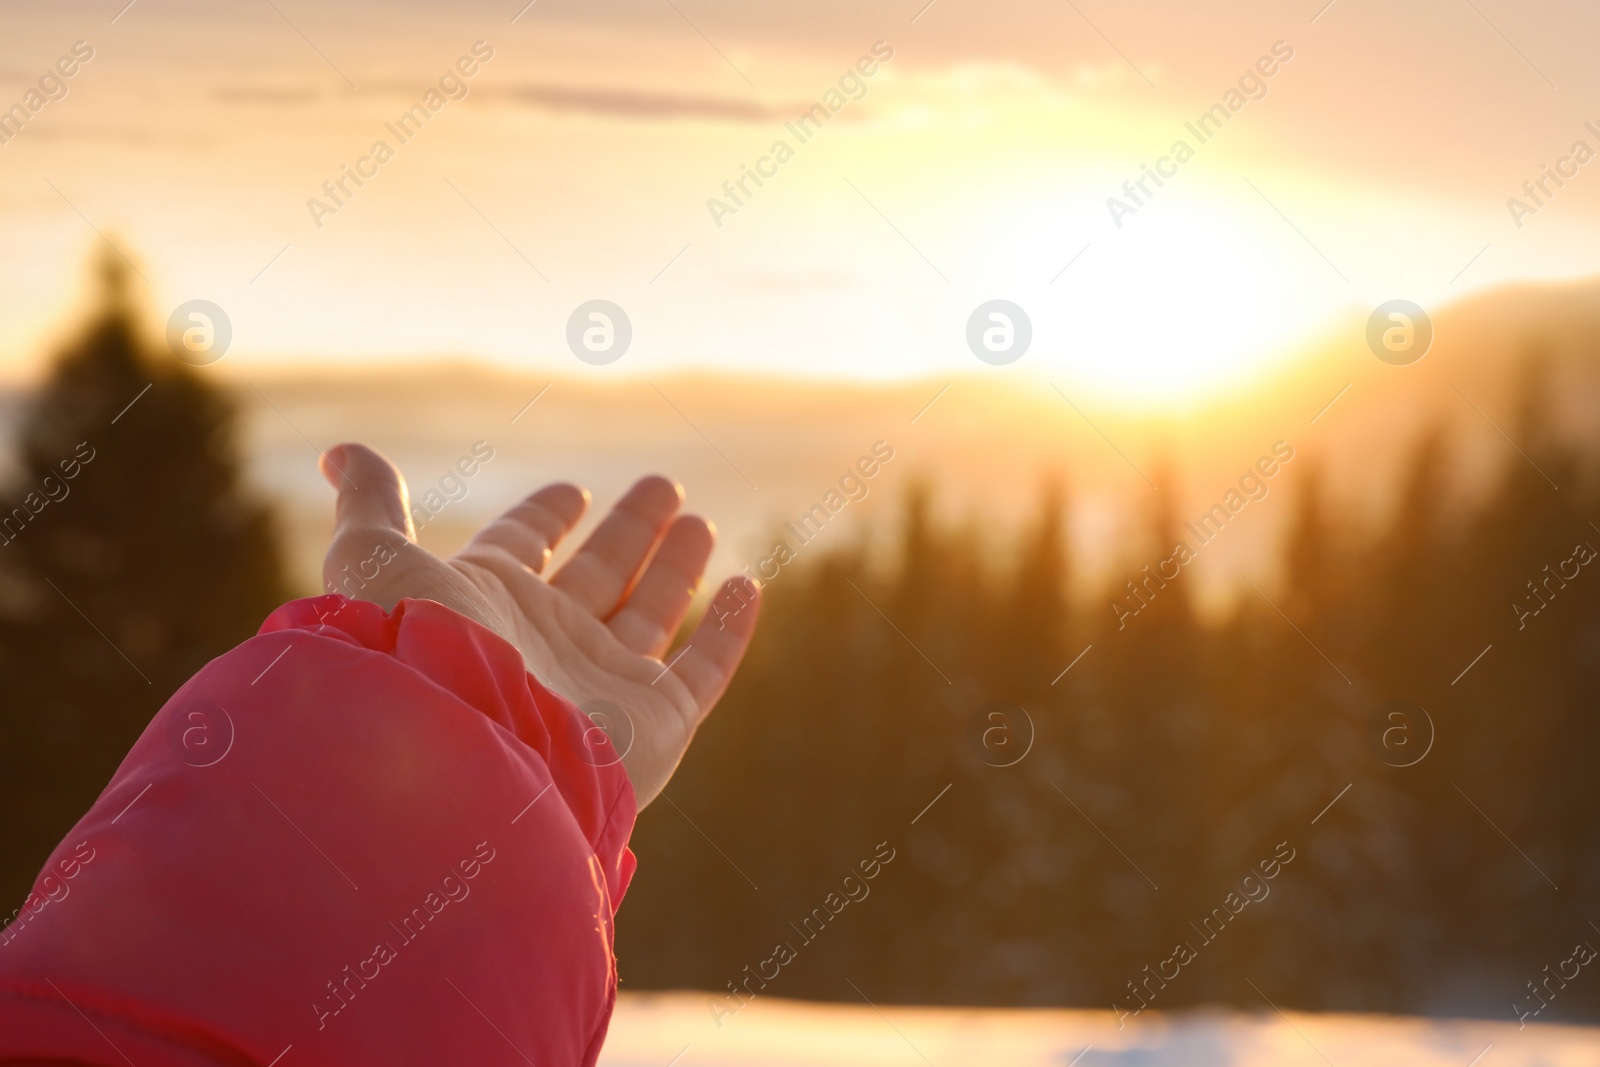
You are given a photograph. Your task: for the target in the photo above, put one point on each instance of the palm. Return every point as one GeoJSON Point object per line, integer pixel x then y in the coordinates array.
{"type": "Point", "coordinates": [596, 629]}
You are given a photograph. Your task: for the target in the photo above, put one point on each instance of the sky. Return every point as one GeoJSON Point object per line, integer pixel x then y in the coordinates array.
{"type": "Point", "coordinates": [582, 155]}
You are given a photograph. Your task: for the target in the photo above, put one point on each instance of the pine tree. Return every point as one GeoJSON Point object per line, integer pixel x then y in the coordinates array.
{"type": "Point", "coordinates": [132, 553]}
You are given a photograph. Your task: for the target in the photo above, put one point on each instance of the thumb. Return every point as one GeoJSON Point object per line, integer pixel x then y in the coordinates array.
{"type": "Point", "coordinates": [372, 493]}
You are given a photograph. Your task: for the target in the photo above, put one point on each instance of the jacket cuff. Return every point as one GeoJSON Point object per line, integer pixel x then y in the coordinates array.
{"type": "Point", "coordinates": [486, 672]}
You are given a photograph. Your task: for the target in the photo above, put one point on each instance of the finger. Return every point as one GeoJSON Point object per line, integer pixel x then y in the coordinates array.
{"type": "Point", "coordinates": [657, 604]}
{"type": "Point", "coordinates": [602, 571]}
{"type": "Point", "coordinates": [372, 492]}
{"type": "Point", "coordinates": [532, 530]}
{"type": "Point", "coordinates": [707, 662]}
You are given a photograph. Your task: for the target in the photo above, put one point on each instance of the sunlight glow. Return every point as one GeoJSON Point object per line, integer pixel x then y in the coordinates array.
{"type": "Point", "coordinates": [1179, 307]}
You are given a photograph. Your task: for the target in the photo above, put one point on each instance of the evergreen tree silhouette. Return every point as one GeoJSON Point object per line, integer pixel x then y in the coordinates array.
{"type": "Point", "coordinates": [132, 553]}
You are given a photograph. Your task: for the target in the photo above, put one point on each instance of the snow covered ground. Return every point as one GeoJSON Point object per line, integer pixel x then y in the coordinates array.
{"type": "Point", "coordinates": [655, 1030]}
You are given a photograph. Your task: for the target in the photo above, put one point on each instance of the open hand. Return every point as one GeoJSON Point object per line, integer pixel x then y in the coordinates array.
{"type": "Point", "coordinates": [597, 628]}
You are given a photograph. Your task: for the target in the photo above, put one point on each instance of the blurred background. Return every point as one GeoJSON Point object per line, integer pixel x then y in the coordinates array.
{"type": "Point", "coordinates": [1200, 575]}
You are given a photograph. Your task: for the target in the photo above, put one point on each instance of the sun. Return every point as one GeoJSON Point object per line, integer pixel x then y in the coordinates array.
{"type": "Point", "coordinates": [1183, 305]}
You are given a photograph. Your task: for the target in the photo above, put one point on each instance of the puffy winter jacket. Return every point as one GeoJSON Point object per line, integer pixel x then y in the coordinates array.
{"type": "Point", "coordinates": [358, 838]}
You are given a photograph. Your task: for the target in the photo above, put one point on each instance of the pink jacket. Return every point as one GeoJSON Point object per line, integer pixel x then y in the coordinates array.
{"type": "Point", "coordinates": [358, 838]}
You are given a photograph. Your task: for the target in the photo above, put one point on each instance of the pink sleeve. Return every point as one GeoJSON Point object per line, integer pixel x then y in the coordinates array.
{"type": "Point", "coordinates": [358, 838]}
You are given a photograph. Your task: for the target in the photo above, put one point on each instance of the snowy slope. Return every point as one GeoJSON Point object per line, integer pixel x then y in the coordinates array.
{"type": "Point", "coordinates": [649, 1030]}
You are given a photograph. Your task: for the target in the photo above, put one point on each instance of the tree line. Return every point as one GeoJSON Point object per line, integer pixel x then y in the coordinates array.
{"type": "Point", "coordinates": [1443, 822]}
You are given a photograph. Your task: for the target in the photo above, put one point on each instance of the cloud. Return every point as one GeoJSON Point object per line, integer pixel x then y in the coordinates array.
{"type": "Point", "coordinates": [624, 103]}
{"type": "Point", "coordinates": [614, 103]}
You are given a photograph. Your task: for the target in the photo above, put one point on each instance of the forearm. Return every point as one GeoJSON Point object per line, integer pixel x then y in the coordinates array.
{"type": "Point", "coordinates": [367, 838]}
